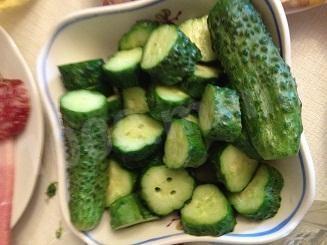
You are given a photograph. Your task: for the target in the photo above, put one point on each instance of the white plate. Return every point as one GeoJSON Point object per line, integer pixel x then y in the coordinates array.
{"type": "Point", "coordinates": [94, 33]}
{"type": "Point", "coordinates": [28, 145]}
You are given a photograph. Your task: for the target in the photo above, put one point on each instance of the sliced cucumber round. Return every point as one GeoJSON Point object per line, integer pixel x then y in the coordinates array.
{"type": "Point", "coordinates": [136, 137]}
{"type": "Point", "coordinates": [169, 56]}
{"type": "Point", "coordinates": [135, 100]}
{"type": "Point", "coordinates": [165, 190]}
{"type": "Point", "coordinates": [208, 213]}
{"type": "Point", "coordinates": [184, 146]}
{"type": "Point", "coordinates": [123, 68]}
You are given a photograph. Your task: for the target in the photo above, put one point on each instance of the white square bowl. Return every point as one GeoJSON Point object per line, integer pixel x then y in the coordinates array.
{"type": "Point", "coordinates": [94, 33]}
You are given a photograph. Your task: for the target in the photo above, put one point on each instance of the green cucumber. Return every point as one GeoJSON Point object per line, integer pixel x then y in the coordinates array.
{"type": "Point", "coordinates": [270, 104]}
{"type": "Point", "coordinates": [129, 210]}
{"type": "Point", "coordinates": [197, 31]}
{"type": "Point", "coordinates": [169, 56]}
{"type": "Point", "coordinates": [114, 105]}
{"type": "Point", "coordinates": [138, 34]}
{"type": "Point", "coordinates": [184, 146]}
{"type": "Point", "coordinates": [165, 102]}
{"type": "Point", "coordinates": [261, 199]}
{"type": "Point", "coordinates": [219, 114]}
{"type": "Point", "coordinates": [165, 190]}
{"type": "Point", "coordinates": [135, 100]}
{"type": "Point", "coordinates": [192, 118]}
{"type": "Point", "coordinates": [208, 213]}
{"type": "Point", "coordinates": [243, 143]}
{"type": "Point", "coordinates": [123, 68]}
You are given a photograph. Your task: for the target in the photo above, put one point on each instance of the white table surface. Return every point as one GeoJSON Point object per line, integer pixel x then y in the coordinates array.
{"type": "Point", "coordinates": [30, 26]}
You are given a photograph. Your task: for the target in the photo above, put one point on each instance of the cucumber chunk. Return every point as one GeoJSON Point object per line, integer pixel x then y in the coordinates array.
{"type": "Point", "coordinates": [184, 146]}
{"type": "Point", "coordinates": [198, 32]}
{"type": "Point", "coordinates": [219, 114]}
{"type": "Point", "coordinates": [234, 168]}
{"type": "Point", "coordinates": [135, 100]}
{"type": "Point", "coordinates": [192, 118]}
{"type": "Point", "coordinates": [136, 137]}
{"type": "Point", "coordinates": [165, 102]}
{"type": "Point", "coordinates": [114, 105]}
{"type": "Point", "coordinates": [261, 198]}
{"type": "Point", "coordinates": [123, 68]}
{"type": "Point", "coordinates": [128, 211]}
{"type": "Point", "coordinates": [169, 56]}
{"type": "Point", "coordinates": [138, 34]}
{"type": "Point", "coordinates": [121, 182]}
{"type": "Point", "coordinates": [208, 213]}
{"type": "Point", "coordinates": [165, 190]}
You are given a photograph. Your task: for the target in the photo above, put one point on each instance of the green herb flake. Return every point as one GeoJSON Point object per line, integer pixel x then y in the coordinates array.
{"type": "Point", "coordinates": [59, 232]}
{"type": "Point", "coordinates": [52, 189]}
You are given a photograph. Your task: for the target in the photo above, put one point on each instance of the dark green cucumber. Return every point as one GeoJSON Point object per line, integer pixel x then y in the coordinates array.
{"type": "Point", "coordinates": [129, 210]}
{"type": "Point", "coordinates": [195, 84]}
{"type": "Point", "coordinates": [197, 31]}
{"type": "Point", "coordinates": [138, 34]}
{"type": "Point", "coordinates": [208, 214]}
{"type": "Point", "coordinates": [219, 114]}
{"type": "Point", "coordinates": [234, 168]}
{"type": "Point", "coordinates": [123, 68]}
{"type": "Point", "coordinates": [136, 137]}
{"type": "Point", "coordinates": [243, 142]}
{"type": "Point", "coordinates": [261, 199]}
{"type": "Point", "coordinates": [135, 100]}
{"type": "Point", "coordinates": [165, 190]}
{"type": "Point", "coordinates": [269, 99]}
{"type": "Point", "coordinates": [169, 56]}
{"type": "Point", "coordinates": [114, 105]}
{"type": "Point", "coordinates": [165, 102]}
{"type": "Point", "coordinates": [184, 146]}
{"type": "Point", "coordinates": [84, 75]}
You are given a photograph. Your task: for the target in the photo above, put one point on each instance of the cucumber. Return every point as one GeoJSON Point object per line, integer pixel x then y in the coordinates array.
{"type": "Point", "coordinates": [269, 99]}
{"type": "Point", "coordinates": [184, 146]}
{"type": "Point", "coordinates": [195, 84]}
{"type": "Point", "coordinates": [121, 182]}
{"type": "Point", "coordinates": [123, 68]}
{"type": "Point", "coordinates": [165, 102]}
{"type": "Point", "coordinates": [243, 143]}
{"type": "Point", "coordinates": [138, 34]}
{"type": "Point", "coordinates": [219, 114]}
{"type": "Point", "coordinates": [234, 168]}
{"type": "Point", "coordinates": [136, 137]}
{"type": "Point", "coordinates": [114, 105]}
{"type": "Point", "coordinates": [261, 199]}
{"type": "Point", "coordinates": [192, 118]}
{"type": "Point", "coordinates": [165, 190]}
{"type": "Point", "coordinates": [135, 100]}
{"type": "Point", "coordinates": [84, 75]}
{"type": "Point", "coordinates": [78, 106]}
{"type": "Point", "coordinates": [128, 211]}
{"type": "Point", "coordinates": [197, 31]}
{"type": "Point", "coordinates": [169, 56]}
{"type": "Point", "coordinates": [208, 213]}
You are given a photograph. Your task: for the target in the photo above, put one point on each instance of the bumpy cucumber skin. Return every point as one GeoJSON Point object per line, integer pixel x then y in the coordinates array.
{"type": "Point", "coordinates": [128, 39]}
{"type": "Point", "coordinates": [166, 110]}
{"type": "Point", "coordinates": [227, 124]}
{"type": "Point", "coordinates": [269, 99]}
{"type": "Point", "coordinates": [179, 63]}
{"type": "Point", "coordinates": [197, 152]}
{"type": "Point", "coordinates": [84, 75]}
{"type": "Point", "coordinates": [124, 79]}
{"type": "Point", "coordinates": [243, 142]}
{"type": "Point", "coordinates": [128, 211]}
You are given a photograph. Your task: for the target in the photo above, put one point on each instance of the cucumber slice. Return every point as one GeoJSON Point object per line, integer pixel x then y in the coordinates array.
{"type": "Point", "coordinates": [114, 105]}
{"type": "Point", "coordinates": [165, 190]}
{"type": "Point", "coordinates": [184, 146]}
{"type": "Point", "coordinates": [128, 211]}
{"type": "Point", "coordinates": [138, 34]}
{"type": "Point", "coordinates": [234, 168]}
{"type": "Point", "coordinates": [192, 118]}
{"type": "Point", "coordinates": [198, 32]}
{"type": "Point", "coordinates": [169, 56]}
{"type": "Point", "coordinates": [121, 182]}
{"type": "Point", "coordinates": [195, 84]}
{"type": "Point", "coordinates": [165, 102]}
{"type": "Point", "coordinates": [220, 114]}
{"type": "Point", "coordinates": [123, 68]}
{"type": "Point", "coordinates": [84, 75]}
{"type": "Point", "coordinates": [261, 198]}
{"type": "Point", "coordinates": [80, 105]}
{"type": "Point", "coordinates": [136, 137]}
{"type": "Point", "coordinates": [135, 100]}
{"type": "Point", "coordinates": [208, 213]}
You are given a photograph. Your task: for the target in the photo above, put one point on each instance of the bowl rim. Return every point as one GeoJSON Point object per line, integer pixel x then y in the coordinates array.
{"type": "Point", "coordinates": [282, 229]}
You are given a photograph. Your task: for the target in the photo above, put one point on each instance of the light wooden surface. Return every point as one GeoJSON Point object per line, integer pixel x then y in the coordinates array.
{"type": "Point", "coordinates": [30, 26]}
